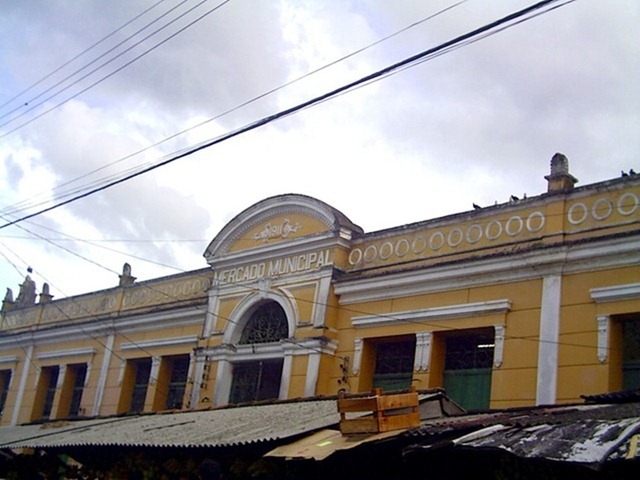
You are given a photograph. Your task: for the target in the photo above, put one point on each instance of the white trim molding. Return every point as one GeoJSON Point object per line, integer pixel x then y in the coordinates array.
{"type": "Point", "coordinates": [72, 352]}
{"type": "Point", "coordinates": [548, 346]}
{"type": "Point", "coordinates": [357, 355]}
{"type": "Point", "coordinates": [423, 351]}
{"type": "Point", "coordinates": [9, 359]}
{"type": "Point", "coordinates": [498, 345]}
{"type": "Point", "coordinates": [603, 337]}
{"type": "Point", "coordinates": [435, 313]}
{"type": "Point", "coordinates": [160, 342]}
{"type": "Point", "coordinates": [616, 292]}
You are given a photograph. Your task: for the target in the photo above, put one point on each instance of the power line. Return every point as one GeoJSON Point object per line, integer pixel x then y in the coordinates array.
{"type": "Point", "coordinates": [109, 75]}
{"type": "Point", "coordinates": [394, 68]}
{"type": "Point", "coordinates": [68, 62]}
{"type": "Point", "coordinates": [67, 194]}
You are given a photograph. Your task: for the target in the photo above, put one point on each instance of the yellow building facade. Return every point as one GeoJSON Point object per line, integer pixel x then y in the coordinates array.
{"type": "Point", "coordinates": [535, 301]}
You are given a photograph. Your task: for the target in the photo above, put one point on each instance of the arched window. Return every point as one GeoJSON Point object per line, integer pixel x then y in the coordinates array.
{"type": "Point", "coordinates": [268, 323]}
{"type": "Point", "coordinates": [260, 379]}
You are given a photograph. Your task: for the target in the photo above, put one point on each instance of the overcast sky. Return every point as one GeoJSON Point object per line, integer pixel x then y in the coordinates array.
{"type": "Point", "coordinates": [474, 125]}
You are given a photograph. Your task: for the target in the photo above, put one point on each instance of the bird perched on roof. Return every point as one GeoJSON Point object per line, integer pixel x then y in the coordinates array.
{"type": "Point", "coordinates": [623, 173]}
{"type": "Point", "coordinates": [632, 172]}
{"type": "Point", "coordinates": [514, 198]}
{"type": "Point", "coordinates": [477, 207]}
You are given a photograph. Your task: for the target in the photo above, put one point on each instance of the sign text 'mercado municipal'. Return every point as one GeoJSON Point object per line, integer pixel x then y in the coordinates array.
{"type": "Point", "coordinates": [274, 268]}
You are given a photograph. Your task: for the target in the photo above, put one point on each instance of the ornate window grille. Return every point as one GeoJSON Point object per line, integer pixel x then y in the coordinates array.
{"type": "Point", "coordinates": [268, 323]}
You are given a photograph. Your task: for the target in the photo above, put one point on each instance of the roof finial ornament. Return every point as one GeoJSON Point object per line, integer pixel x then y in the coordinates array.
{"type": "Point", "coordinates": [560, 180]}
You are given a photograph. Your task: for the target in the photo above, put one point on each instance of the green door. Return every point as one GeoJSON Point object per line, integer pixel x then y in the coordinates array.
{"type": "Point", "coordinates": [470, 388]}
{"type": "Point", "coordinates": [467, 372]}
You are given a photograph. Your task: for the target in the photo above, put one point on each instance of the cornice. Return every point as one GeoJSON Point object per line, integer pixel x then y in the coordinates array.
{"type": "Point", "coordinates": [512, 268]}
{"type": "Point", "coordinates": [434, 313]}
{"type": "Point", "coordinates": [614, 293]}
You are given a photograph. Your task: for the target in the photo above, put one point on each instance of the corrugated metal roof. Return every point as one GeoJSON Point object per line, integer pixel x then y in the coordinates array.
{"type": "Point", "coordinates": [585, 434]}
{"type": "Point", "coordinates": [201, 428]}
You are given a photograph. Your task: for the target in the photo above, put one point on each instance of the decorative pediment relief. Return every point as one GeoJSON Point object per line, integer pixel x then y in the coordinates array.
{"type": "Point", "coordinates": [278, 220]}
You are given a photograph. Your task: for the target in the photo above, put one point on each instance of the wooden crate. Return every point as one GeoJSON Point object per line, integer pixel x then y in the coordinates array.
{"type": "Point", "coordinates": [388, 412]}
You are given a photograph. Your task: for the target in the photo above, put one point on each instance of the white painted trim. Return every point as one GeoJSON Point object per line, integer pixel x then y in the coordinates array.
{"type": "Point", "coordinates": [423, 351]}
{"type": "Point", "coordinates": [156, 360]}
{"type": "Point", "coordinates": [323, 290]}
{"type": "Point", "coordinates": [72, 352]}
{"type": "Point", "coordinates": [22, 386]}
{"type": "Point", "coordinates": [603, 337]}
{"type": "Point", "coordinates": [513, 268]}
{"type": "Point", "coordinates": [498, 347]}
{"type": "Point", "coordinates": [614, 293]}
{"type": "Point", "coordinates": [548, 343]}
{"type": "Point", "coordinates": [357, 355]}
{"type": "Point", "coordinates": [9, 359]}
{"type": "Point", "coordinates": [212, 312]}
{"type": "Point", "coordinates": [159, 343]}
{"type": "Point", "coordinates": [93, 328]}
{"type": "Point", "coordinates": [285, 377]}
{"type": "Point", "coordinates": [313, 373]}
{"type": "Point", "coordinates": [222, 388]}
{"type": "Point", "coordinates": [434, 313]}
{"type": "Point", "coordinates": [62, 371]}
{"type": "Point", "coordinates": [104, 370]}
{"type": "Point", "coordinates": [198, 372]}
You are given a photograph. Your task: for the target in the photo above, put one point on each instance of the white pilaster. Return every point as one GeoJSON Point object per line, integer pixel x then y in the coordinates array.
{"type": "Point", "coordinates": [155, 369]}
{"type": "Point", "coordinates": [548, 344]}
{"type": "Point", "coordinates": [23, 384]}
{"type": "Point", "coordinates": [313, 371]}
{"type": "Point", "coordinates": [104, 370]}
{"type": "Point", "coordinates": [223, 383]}
{"type": "Point", "coordinates": [357, 355]}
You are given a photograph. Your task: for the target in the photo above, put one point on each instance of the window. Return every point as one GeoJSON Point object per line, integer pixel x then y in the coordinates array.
{"type": "Point", "coordinates": [268, 323]}
{"type": "Point", "coordinates": [177, 381]}
{"type": "Point", "coordinates": [5, 381]}
{"type": "Point", "coordinates": [79, 375]}
{"type": "Point", "coordinates": [393, 368]}
{"type": "Point", "coordinates": [49, 377]}
{"type": "Point", "coordinates": [467, 369]}
{"type": "Point", "coordinates": [139, 394]}
{"type": "Point", "coordinates": [631, 353]}
{"type": "Point", "coordinates": [260, 380]}
{"type": "Point", "coordinates": [254, 381]}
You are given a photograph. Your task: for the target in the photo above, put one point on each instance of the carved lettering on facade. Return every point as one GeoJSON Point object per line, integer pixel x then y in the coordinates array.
{"type": "Point", "coordinates": [274, 268]}
{"type": "Point", "coordinates": [281, 230]}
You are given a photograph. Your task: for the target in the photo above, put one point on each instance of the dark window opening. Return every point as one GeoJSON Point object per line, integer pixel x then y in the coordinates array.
{"type": "Point", "coordinates": [394, 365]}
{"type": "Point", "coordinates": [268, 323]}
{"type": "Point", "coordinates": [177, 382]}
{"type": "Point", "coordinates": [631, 354]}
{"type": "Point", "coordinates": [51, 379]}
{"type": "Point", "coordinates": [256, 381]}
{"type": "Point", "coordinates": [141, 383]}
{"type": "Point", "coordinates": [80, 375]}
{"type": "Point", "coordinates": [5, 380]}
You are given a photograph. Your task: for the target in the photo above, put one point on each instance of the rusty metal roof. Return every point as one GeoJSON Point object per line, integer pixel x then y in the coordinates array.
{"type": "Point", "coordinates": [585, 434]}
{"type": "Point", "coordinates": [200, 428]}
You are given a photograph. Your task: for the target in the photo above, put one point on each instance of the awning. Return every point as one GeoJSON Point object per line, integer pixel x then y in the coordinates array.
{"type": "Point", "coordinates": [200, 428]}
{"type": "Point", "coordinates": [320, 445]}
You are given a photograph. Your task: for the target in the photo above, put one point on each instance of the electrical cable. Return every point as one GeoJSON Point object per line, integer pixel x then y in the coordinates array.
{"type": "Point", "coordinates": [109, 75]}
{"type": "Point", "coordinates": [24, 205]}
{"type": "Point", "coordinates": [297, 108]}
{"type": "Point", "coordinates": [68, 62]}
